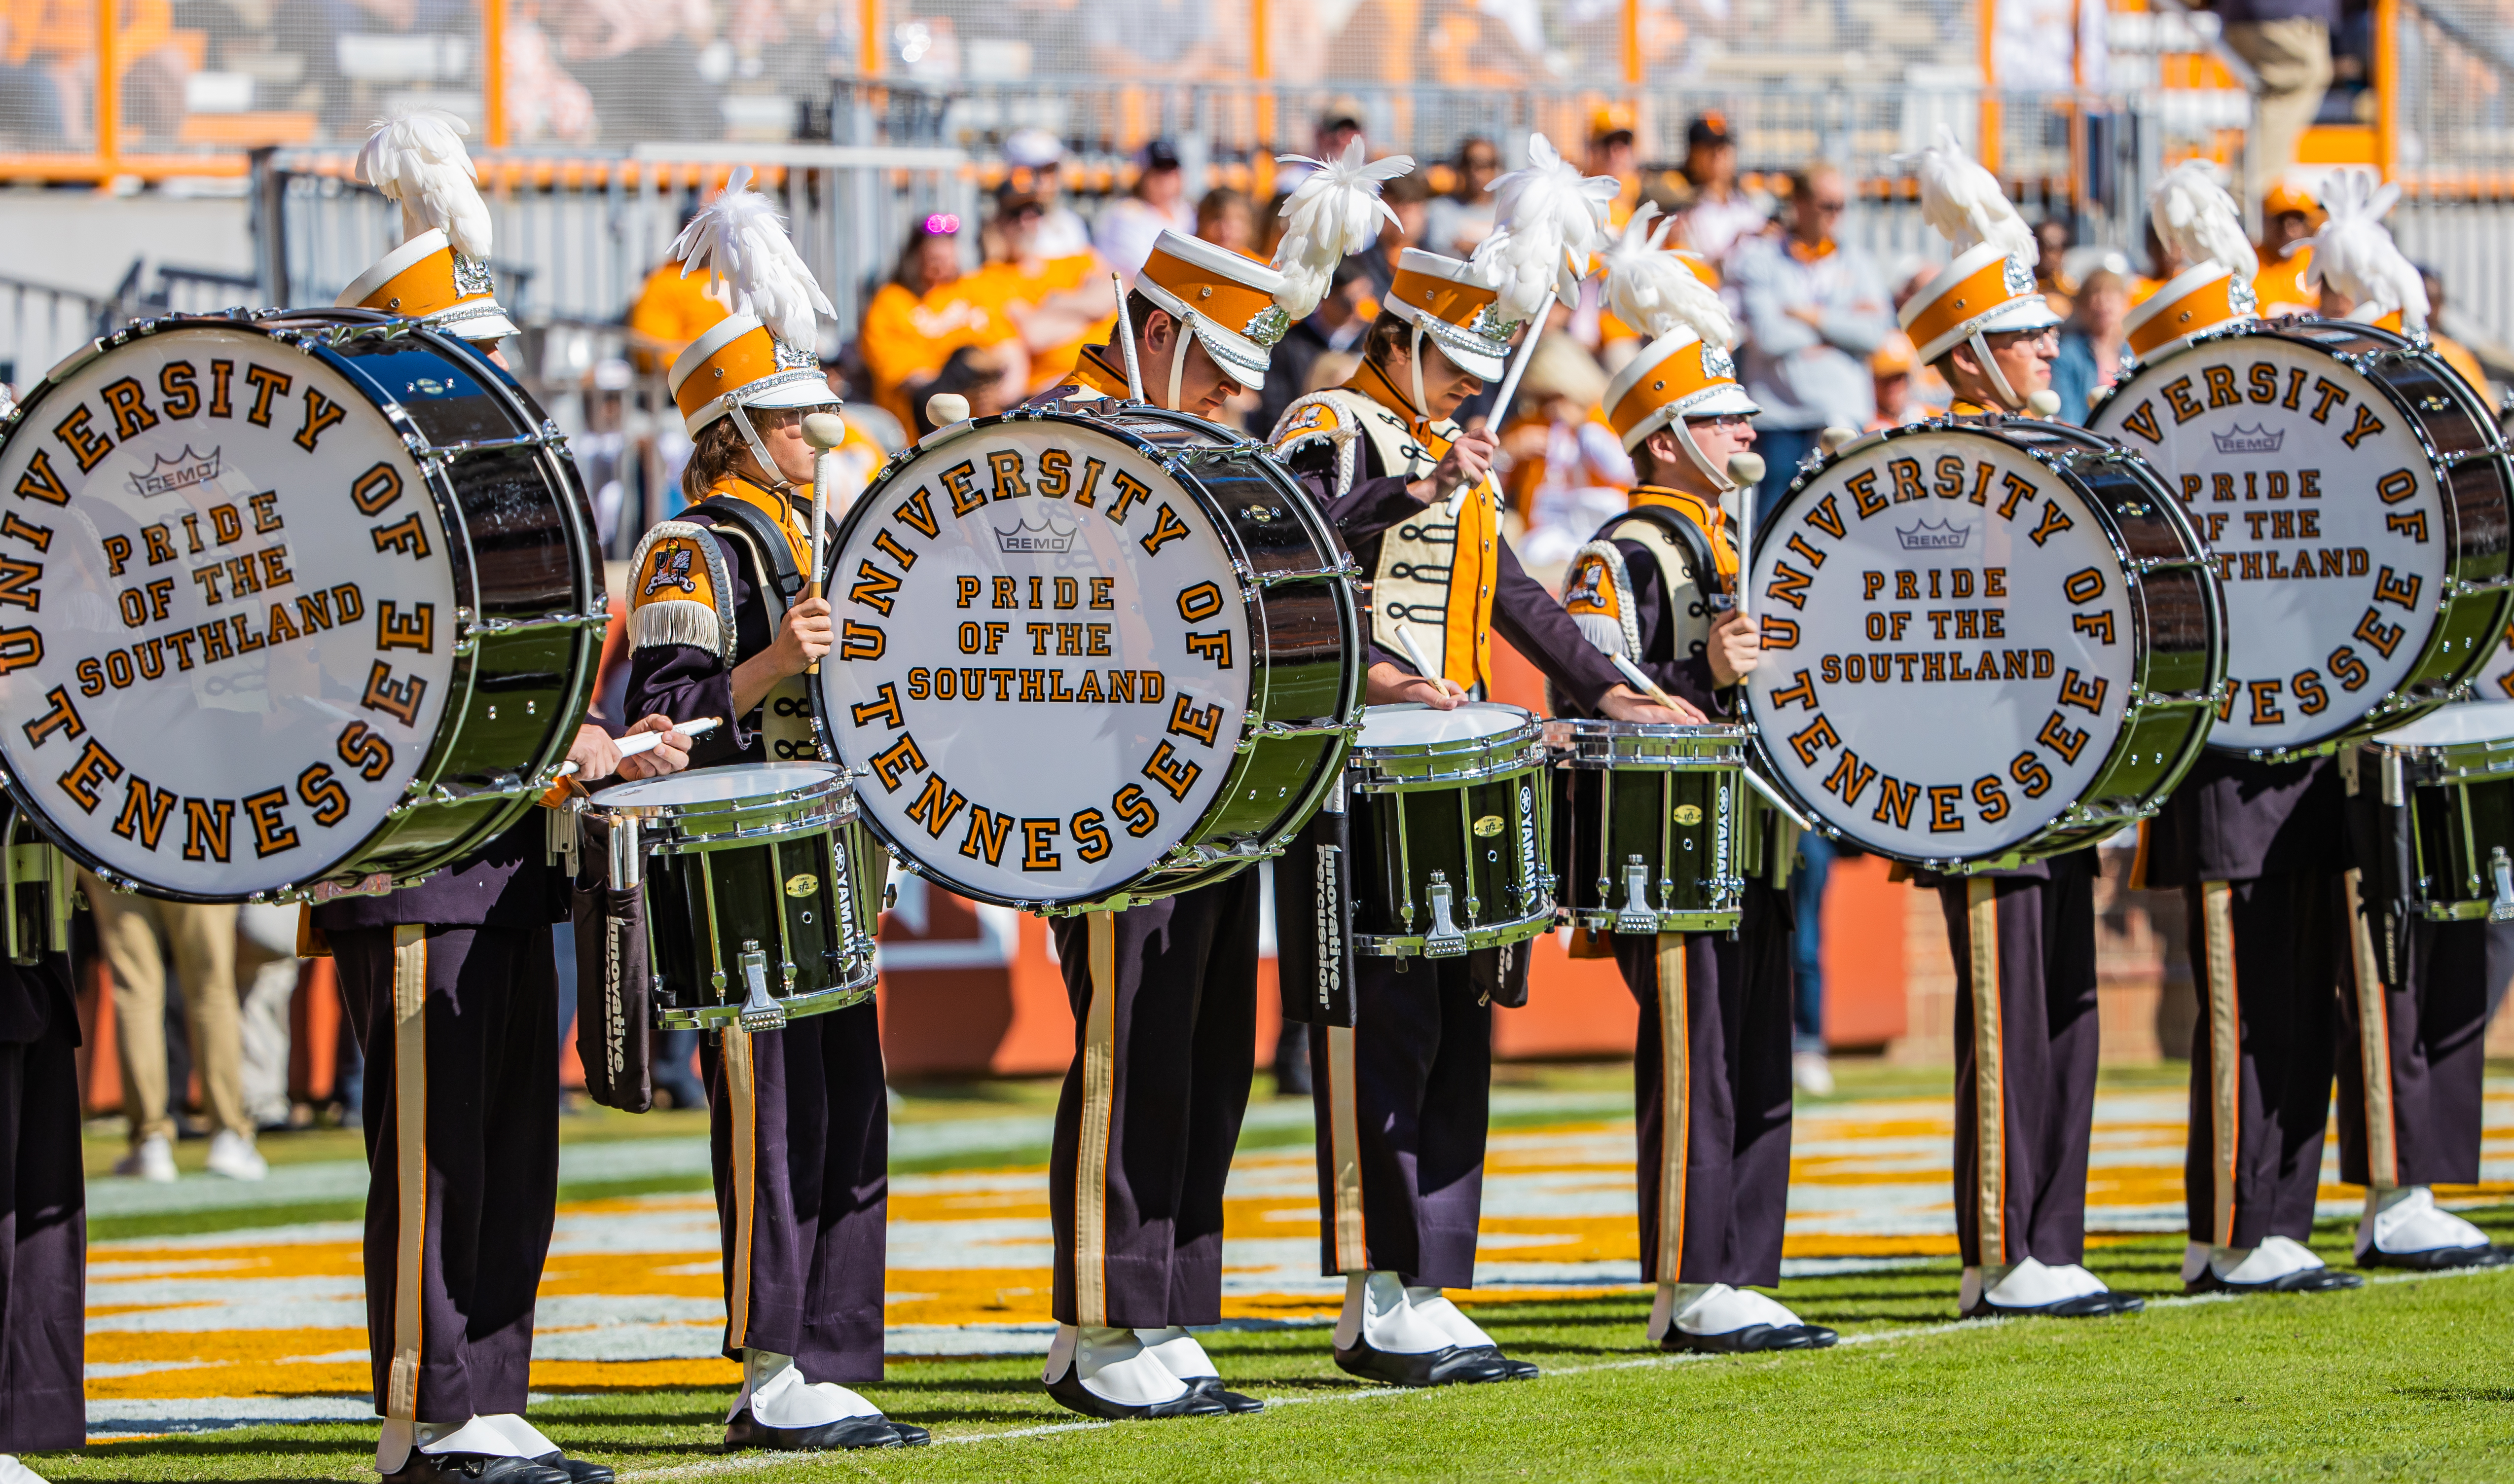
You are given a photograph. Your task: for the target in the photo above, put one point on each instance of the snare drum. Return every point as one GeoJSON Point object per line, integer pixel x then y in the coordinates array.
{"type": "Point", "coordinates": [762, 897]}
{"type": "Point", "coordinates": [2447, 784]}
{"type": "Point", "coordinates": [1450, 822]}
{"type": "Point", "coordinates": [1090, 656]}
{"type": "Point", "coordinates": [1646, 824]}
{"type": "Point", "coordinates": [288, 601]}
{"type": "Point", "coordinates": [1983, 642]}
{"type": "Point", "coordinates": [2355, 497]}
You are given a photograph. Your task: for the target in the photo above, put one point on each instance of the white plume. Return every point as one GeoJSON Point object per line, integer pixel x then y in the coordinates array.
{"type": "Point", "coordinates": [1548, 219]}
{"type": "Point", "coordinates": [2355, 253]}
{"type": "Point", "coordinates": [740, 241]}
{"type": "Point", "coordinates": [1650, 288]}
{"type": "Point", "coordinates": [2199, 221]}
{"type": "Point", "coordinates": [416, 157]}
{"type": "Point", "coordinates": [1965, 204]}
{"type": "Point", "coordinates": [1334, 213]}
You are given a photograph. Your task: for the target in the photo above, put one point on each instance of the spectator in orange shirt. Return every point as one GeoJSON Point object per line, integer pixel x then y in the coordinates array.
{"type": "Point", "coordinates": [672, 310]}
{"type": "Point", "coordinates": [1055, 305]}
{"type": "Point", "coordinates": [2287, 221]}
{"type": "Point", "coordinates": [917, 319]}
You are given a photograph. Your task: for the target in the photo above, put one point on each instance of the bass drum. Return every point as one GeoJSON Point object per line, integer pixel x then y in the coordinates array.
{"type": "Point", "coordinates": [290, 601]}
{"type": "Point", "coordinates": [1983, 643]}
{"type": "Point", "coordinates": [2356, 496]}
{"type": "Point", "coordinates": [1086, 658]}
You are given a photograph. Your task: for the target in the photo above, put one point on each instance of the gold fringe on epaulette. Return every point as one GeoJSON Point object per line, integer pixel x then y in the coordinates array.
{"type": "Point", "coordinates": [675, 622]}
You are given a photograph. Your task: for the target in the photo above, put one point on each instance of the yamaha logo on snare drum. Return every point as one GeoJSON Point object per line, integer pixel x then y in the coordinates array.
{"type": "Point", "coordinates": [2240, 439]}
{"type": "Point", "coordinates": [1047, 537]}
{"type": "Point", "coordinates": [1941, 535]}
{"type": "Point", "coordinates": [167, 475]}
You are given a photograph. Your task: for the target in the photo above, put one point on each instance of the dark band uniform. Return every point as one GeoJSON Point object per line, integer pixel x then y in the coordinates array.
{"type": "Point", "coordinates": [43, 1246]}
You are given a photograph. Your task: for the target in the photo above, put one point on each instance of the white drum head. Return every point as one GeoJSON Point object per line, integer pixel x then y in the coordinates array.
{"type": "Point", "coordinates": [1044, 661]}
{"type": "Point", "coordinates": [2320, 505]}
{"type": "Point", "coordinates": [1948, 645]}
{"type": "Point", "coordinates": [1414, 725]}
{"type": "Point", "coordinates": [718, 785]}
{"type": "Point", "coordinates": [2477, 721]}
{"type": "Point", "coordinates": [228, 622]}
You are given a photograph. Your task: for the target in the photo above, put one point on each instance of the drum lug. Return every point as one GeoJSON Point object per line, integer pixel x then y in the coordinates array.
{"type": "Point", "coordinates": [2502, 909]}
{"type": "Point", "coordinates": [1445, 941]}
{"type": "Point", "coordinates": [759, 1012]}
{"type": "Point", "coordinates": [1637, 916]}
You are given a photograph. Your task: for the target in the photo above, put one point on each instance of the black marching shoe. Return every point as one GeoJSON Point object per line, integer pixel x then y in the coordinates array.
{"type": "Point", "coordinates": [2079, 1306]}
{"type": "Point", "coordinates": [1070, 1393]}
{"type": "Point", "coordinates": [582, 1470]}
{"type": "Point", "coordinates": [2305, 1280]}
{"type": "Point", "coordinates": [875, 1431]}
{"type": "Point", "coordinates": [1455, 1365]}
{"type": "Point", "coordinates": [1751, 1339]}
{"type": "Point", "coordinates": [2438, 1259]}
{"type": "Point", "coordinates": [1232, 1401]}
{"type": "Point", "coordinates": [475, 1469]}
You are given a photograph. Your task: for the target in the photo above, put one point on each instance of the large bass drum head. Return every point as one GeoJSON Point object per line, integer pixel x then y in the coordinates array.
{"type": "Point", "coordinates": [1042, 663]}
{"type": "Point", "coordinates": [228, 622]}
{"type": "Point", "coordinates": [2341, 540]}
{"type": "Point", "coordinates": [1949, 645]}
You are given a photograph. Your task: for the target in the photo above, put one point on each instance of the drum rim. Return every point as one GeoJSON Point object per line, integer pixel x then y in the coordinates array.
{"type": "Point", "coordinates": [606, 800]}
{"type": "Point", "coordinates": [317, 332]}
{"type": "Point", "coordinates": [1485, 740]}
{"type": "Point", "coordinates": [2315, 333]}
{"type": "Point", "coordinates": [1204, 855]}
{"type": "Point", "coordinates": [2070, 827]}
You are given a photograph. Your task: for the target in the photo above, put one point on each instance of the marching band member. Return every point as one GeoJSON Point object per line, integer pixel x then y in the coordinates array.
{"type": "Point", "coordinates": [43, 1262]}
{"type": "Point", "coordinates": [720, 626]}
{"type": "Point", "coordinates": [1165, 992]}
{"type": "Point", "coordinates": [2412, 1023]}
{"type": "Point", "coordinates": [2259, 850]}
{"type": "Point", "coordinates": [1711, 1075]}
{"type": "Point", "coordinates": [1414, 1077]}
{"type": "Point", "coordinates": [451, 988]}
{"type": "Point", "coordinates": [2023, 938]}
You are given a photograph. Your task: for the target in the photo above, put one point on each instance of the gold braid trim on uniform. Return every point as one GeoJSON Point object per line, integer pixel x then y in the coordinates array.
{"type": "Point", "coordinates": [1097, 1123]}
{"type": "Point", "coordinates": [2225, 1051]}
{"type": "Point", "coordinates": [2373, 1045]}
{"type": "Point", "coordinates": [410, 1167]}
{"type": "Point", "coordinates": [1990, 1070]}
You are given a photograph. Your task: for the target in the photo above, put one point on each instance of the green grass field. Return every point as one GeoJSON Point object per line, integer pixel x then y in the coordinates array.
{"type": "Point", "coordinates": [2410, 1378]}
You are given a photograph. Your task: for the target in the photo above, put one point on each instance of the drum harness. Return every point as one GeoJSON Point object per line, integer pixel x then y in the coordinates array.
{"type": "Point", "coordinates": [786, 724]}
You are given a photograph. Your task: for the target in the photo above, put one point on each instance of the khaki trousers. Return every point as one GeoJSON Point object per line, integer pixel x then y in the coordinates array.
{"type": "Point", "coordinates": [136, 932]}
{"type": "Point", "coordinates": [2293, 58]}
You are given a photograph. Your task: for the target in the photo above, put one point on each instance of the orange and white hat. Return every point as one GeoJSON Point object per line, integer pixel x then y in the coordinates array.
{"type": "Point", "coordinates": [440, 272]}
{"type": "Point", "coordinates": [426, 279]}
{"type": "Point", "coordinates": [762, 356]}
{"type": "Point", "coordinates": [1229, 302]}
{"type": "Point", "coordinates": [1448, 303]}
{"type": "Point", "coordinates": [1684, 370]}
{"type": "Point", "coordinates": [2190, 303]}
{"type": "Point", "coordinates": [1986, 291]}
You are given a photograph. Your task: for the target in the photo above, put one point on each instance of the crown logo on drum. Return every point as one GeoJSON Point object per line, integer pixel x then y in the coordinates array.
{"type": "Point", "coordinates": [1942, 535]}
{"type": "Point", "coordinates": [168, 475]}
{"type": "Point", "coordinates": [2240, 439]}
{"type": "Point", "coordinates": [1046, 537]}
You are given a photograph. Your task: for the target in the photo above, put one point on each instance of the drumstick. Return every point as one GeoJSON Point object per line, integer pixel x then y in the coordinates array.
{"type": "Point", "coordinates": [1746, 471]}
{"type": "Point", "coordinates": [1510, 380]}
{"type": "Point", "coordinates": [825, 432]}
{"type": "Point", "coordinates": [1642, 683]}
{"type": "Point", "coordinates": [647, 741]}
{"type": "Point", "coordinates": [1414, 653]}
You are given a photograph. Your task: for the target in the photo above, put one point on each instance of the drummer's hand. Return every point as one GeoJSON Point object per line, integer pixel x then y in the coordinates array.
{"type": "Point", "coordinates": [1624, 704]}
{"type": "Point", "coordinates": [802, 638]}
{"type": "Point", "coordinates": [670, 755]}
{"type": "Point", "coordinates": [1465, 463]}
{"type": "Point", "coordinates": [1737, 647]}
{"type": "Point", "coordinates": [593, 754]}
{"type": "Point", "coordinates": [1388, 684]}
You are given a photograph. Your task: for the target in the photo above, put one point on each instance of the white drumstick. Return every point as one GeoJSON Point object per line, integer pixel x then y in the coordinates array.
{"type": "Point", "coordinates": [1642, 683]}
{"type": "Point", "coordinates": [647, 741]}
{"type": "Point", "coordinates": [1755, 781]}
{"type": "Point", "coordinates": [1414, 652]}
{"type": "Point", "coordinates": [1746, 471]}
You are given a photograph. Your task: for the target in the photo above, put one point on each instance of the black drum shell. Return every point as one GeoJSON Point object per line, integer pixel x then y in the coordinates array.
{"type": "Point", "coordinates": [808, 929]}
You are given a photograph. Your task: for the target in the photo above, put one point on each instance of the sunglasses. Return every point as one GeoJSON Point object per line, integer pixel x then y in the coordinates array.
{"type": "Point", "coordinates": [1722, 420]}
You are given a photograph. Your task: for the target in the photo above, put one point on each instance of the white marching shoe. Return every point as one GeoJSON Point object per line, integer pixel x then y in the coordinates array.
{"type": "Point", "coordinates": [233, 1156]}
{"type": "Point", "coordinates": [1179, 1355]}
{"type": "Point", "coordinates": [2278, 1266]}
{"type": "Point", "coordinates": [13, 1472]}
{"type": "Point", "coordinates": [2035, 1289]}
{"type": "Point", "coordinates": [1110, 1374]}
{"type": "Point", "coordinates": [2404, 1227]}
{"type": "Point", "coordinates": [778, 1407]}
{"type": "Point", "coordinates": [478, 1449]}
{"type": "Point", "coordinates": [1383, 1336]}
{"type": "Point", "coordinates": [1718, 1319]}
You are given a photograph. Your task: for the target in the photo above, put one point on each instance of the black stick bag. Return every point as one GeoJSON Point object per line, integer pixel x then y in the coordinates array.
{"type": "Point", "coordinates": [1313, 921]}
{"type": "Point", "coordinates": [614, 1011]}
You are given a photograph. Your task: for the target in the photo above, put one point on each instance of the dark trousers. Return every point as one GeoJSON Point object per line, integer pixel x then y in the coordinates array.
{"type": "Point", "coordinates": [1713, 1063]}
{"type": "Point", "coordinates": [43, 1243]}
{"type": "Point", "coordinates": [2027, 1034]}
{"type": "Point", "coordinates": [800, 1123]}
{"type": "Point", "coordinates": [2411, 1059]}
{"type": "Point", "coordinates": [460, 1107]}
{"type": "Point", "coordinates": [1403, 1099]}
{"type": "Point", "coordinates": [1807, 942]}
{"type": "Point", "coordinates": [1164, 1000]}
{"type": "Point", "coordinates": [2267, 953]}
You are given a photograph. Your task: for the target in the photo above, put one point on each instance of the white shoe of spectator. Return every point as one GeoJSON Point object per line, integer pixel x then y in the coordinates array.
{"type": "Point", "coordinates": [233, 1156]}
{"type": "Point", "coordinates": [152, 1159]}
{"type": "Point", "coordinates": [1812, 1073]}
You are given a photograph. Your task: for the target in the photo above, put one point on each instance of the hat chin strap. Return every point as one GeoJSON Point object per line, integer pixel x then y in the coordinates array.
{"type": "Point", "coordinates": [2008, 396]}
{"type": "Point", "coordinates": [1414, 365]}
{"type": "Point", "coordinates": [778, 481]}
{"type": "Point", "coordinates": [1178, 358]}
{"type": "Point", "coordinates": [1721, 483]}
